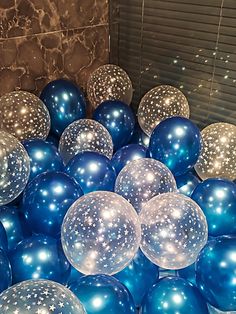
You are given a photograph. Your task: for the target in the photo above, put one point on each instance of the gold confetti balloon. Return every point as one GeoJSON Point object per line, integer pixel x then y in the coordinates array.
{"type": "Point", "coordinates": [174, 230]}
{"type": "Point", "coordinates": [24, 115]}
{"type": "Point", "coordinates": [109, 82]}
{"type": "Point", "coordinates": [160, 103]}
{"type": "Point", "coordinates": [14, 168]}
{"type": "Point", "coordinates": [85, 135]}
{"type": "Point", "coordinates": [218, 156]}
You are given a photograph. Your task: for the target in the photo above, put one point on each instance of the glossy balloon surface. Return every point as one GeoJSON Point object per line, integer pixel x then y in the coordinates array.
{"type": "Point", "coordinates": [39, 297]}
{"type": "Point", "coordinates": [186, 183]}
{"type": "Point", "coordinates": [142, 179]}
{"type": "Point", "coordinates": [139, 137]}
{"type": "Point", "coordinates": [43, 156]}
{"type": "Point", "coordinates": [176, 142]}
{"type": "Point", "coordinates": [5, 271]}
{"type": "Point", "coordinates": [65, 102]}
{"type": "Point", "coordinates": [174, 230]}
{"type": "Point", "coordinates": [93, 172]}
{"type": "Point", "coordinates": [118, 118]}
{"type": "Point", "coordinates": [188, 273]}
{"type": "Point", "coordinates": [39, 257]}
{"type": "Point", "coordinates": [217, 198]}
{"type": "Point", "coordinates": [172, 295]}
{"type": "Point", "coordinates": [216, 272]}
{"type": "Point", "coordinates": [75, 275]}
{"type": "Point", "coordinates": [85, 135]}
{"type": "Point", "coordinates": [127, 154]}
{"type": "Point", "coordinates": [100, 233]}
{"type": "Point", "coordinates": [14, 168]}
{"type": "Point", "coordinates": [3, 237]}
{"type": "Point", "coordinates": [24, 115]}
{"type": "Point", "coordinates": [46, 200]}
{"type": "Point", "coordinates": [138, 277]}
{"type": "Point", "coordinates": [218, 158]}
{"type": "Point", "coordinates": [160, 103]}
{"type": "Point", "coordinates": [213, 310]}
{"type": "Point", "coordinates": [109, 82]}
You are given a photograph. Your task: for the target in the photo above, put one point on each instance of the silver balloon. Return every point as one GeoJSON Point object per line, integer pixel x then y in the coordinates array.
{"type": "Point", "coordinates": [85, 135]}
{"type": "Point", "coordinates": [218, 156]}
{"type": "Point", "coordinates": [39, 297]}
{"type": "Point", "coordinates": [14, 168]}
{"type": "Point", "coordinates": [142, 179]}
{"type": "Point", "coordinates": [174, 230]}
{"type": "Point", "coordinates": [109, 82]}
{"type": "Point", "coordinates": [100, 233]}
{"type": "Point", "coordinates": [160, 103]}
{"type": "Point", "coordinates": [24, 115]}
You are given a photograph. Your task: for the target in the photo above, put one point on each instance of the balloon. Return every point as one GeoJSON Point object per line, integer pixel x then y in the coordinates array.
{"type": "Point", "coordinates": [188, 273]}
{"type": "Point", "coordinates": [100, 233]}
{"type": "Point", "coordinates": [216, 272]}
{"type": "Point", "coordinates": [46, 200]}
{"type": "Point", "coordinates": [75, 275]}
{"type": "Point", "coordinates": [24, 115]}
{"type": "Point", "coordinates": [143, 179]}
{"type": "Point", "coordinates": [39, 257]}
{"type": "Point", "coordinates": [160, 103]}
{"type": "Point", "coordinates": [109, 82]}
{"type": "Point", "coordinates": [85, 135]}
{"type": "Point", "coordinates": [40, 297]}
{"type": "Point", "coordinates": [5, 271]}
{"type": "Point", "coordinates": [138, 277]}
{"type": "Point", "coordinates": [103, 294]}
{"type": "Point", "coordinates": [174, 295]}
{"type": "Point", "coordinates": [43, 156]}
{"type": "Point", "coordinates": [127, 154]}
{"type": "Point", "coordinates": [14, 224]}
{"type": "Point", "coordinates": [53, 139]}
{"type": "Point", "coordinates": [65, 102]}
{"type": "Point", "coordinates": [3, 238]}
{"type": "Point", "coordinates": [176, 142]}
{"type": "Point", "coordinates": [174, 230]}
{"type": "Point", "coordinates": [218, 158]}
{"type": "Point", "coordinates": [139, 137]}
{"type": "Point", "coordinates": [14, 168]}
{"type": "Point", "coordinates": [92, 171]}
{"type": "Point", "coordinates": [217, 198]}
{"type": "Point", "coordinates": [213, 310]}
{"type": "Point", "coordinates": [118, 118]}
{"type": "Point", "coordinates": [186, 183]}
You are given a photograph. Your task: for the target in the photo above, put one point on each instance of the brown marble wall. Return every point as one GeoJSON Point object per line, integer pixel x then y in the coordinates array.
{"type": "Point", "coordinates": [41, 40]}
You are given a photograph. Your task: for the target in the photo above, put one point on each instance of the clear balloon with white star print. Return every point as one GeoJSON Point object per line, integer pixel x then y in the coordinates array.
{"type": "Point", "coordinates": [174, 230]}
{"type": "Point", "coordinates": [101, 233]}
{"type": "Point", "coordinates": [39, 297]}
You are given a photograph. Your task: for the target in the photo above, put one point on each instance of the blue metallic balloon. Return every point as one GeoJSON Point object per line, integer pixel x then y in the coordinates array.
{"type": "Point", "coordinates": [139, 137]}
{"type": "Point", "coordinates": [39, 257]}
{"type": "Point", "coordinates": [216, 272]}
{"type": "Point", "coordinates": [217, 198]}
{"type": "Point", "coordinates": [65, 102]}
{"type": "Point", "coordinates": [118, 118]}
{"type": "Point", "coordinates": [75, 275]}
{"type": "Point", "coordinates": [188, 273]}
{"type": "Point", "coordinates": [172, 295]}
{"type": "Point", "coordinates": [46, 200]}
{"type": "Point", "coordinates": [53, 139]}
{"type": "Point", "coordinates": [187, 182]}
{"type": "Point", "coordinates": [15, 225]}
{"type": "Point", "coordinates": [3, 238]}
{"type": "Point", "coordinates": [126, 154]}
{"type": "Point", "coordinates": [92, 171]}
{"type": "Point", "coordinates": [176, 142]}
{"type": "Point", "coordinates": [43, 156]}
{"type": "Point", "coordinates": [102, 294]}
{"type": "Point", "coordinates": [138, 277]}
{"type": "Point", "coordinates": [5, 271]}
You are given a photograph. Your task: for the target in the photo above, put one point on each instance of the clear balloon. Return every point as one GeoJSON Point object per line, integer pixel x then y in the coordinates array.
{"type": "Point", "coordinates": [5, 271]}
{"type": "Point", "coordinates": [217, 199]}
{"type": "Point", "coordinates": [14, 168]}
{"type": "Point", "coordinates": [109, 82]}
{"type": "Point", "coordinates": [160, 103]}
{"type": "Point", "coordinates": [213, 310]}
{"type": "Point", "coordinates": [142, 179]}
{"type": "Point", "coordinates": [186, 183]}
{"type": "Point", "coordinates": [102, 294]}
{"type": "Point", "coordinates": [174, 230]}
{"type": "Point", "coordinates": [39, 297]}
{"type": "Point", "coordinates": [216, 272]}
{"type": "Point", "coordinates": [172, 295]}
{"type": "Point", "coordinates": [100, 233]}
{"type": "Point", "coordinates": [24, 115]}
{"type": "Point", "coordinates": [218, 156]}
{"type": "Point", "coordinates": [85, 135]}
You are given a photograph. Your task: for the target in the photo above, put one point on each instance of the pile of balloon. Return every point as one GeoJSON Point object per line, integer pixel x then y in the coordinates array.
{"type": "Point", "coordinates": [110, 215]}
